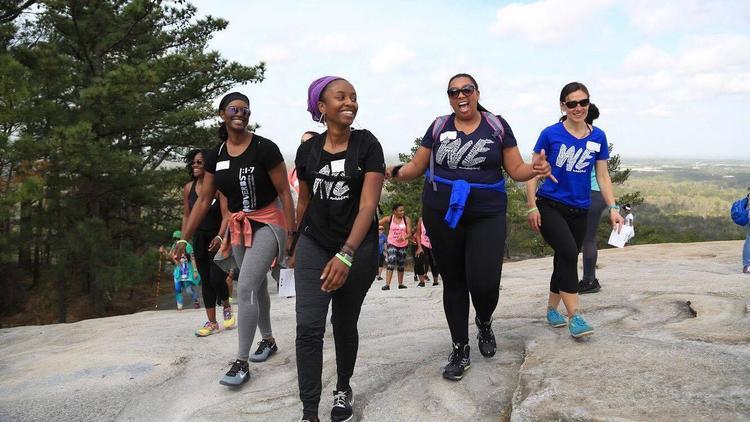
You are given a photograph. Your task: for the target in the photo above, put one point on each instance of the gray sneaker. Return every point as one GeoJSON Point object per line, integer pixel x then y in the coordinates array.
{"type": "Point", "coordinates": [265, 349]}
{"type": "Point", "coordinates": [237, 375]}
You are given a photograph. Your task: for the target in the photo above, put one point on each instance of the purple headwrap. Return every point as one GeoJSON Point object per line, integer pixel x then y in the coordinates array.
{"type": "Point", "coordinates": [313, 95]}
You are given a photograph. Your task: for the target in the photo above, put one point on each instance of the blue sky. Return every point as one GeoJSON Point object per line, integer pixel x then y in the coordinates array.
{"type": "Point", "coordinates": [671, 77]}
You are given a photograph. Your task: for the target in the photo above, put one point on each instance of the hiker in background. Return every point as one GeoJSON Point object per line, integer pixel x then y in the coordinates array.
{"type": "Point", "coordinates": [249, 171]}
{"type": "Point", "coordinates": [206, 242]}
{"type": "Point", "coordinates": [589, 283]}
{"type": "Point", "coordinates": [341, 176]}
{"type": "Point", "coordinates": [560, 208]}
{"type": "Point", "coordinates": [464, 207]}
{"type": "Point", "coordinates": [399, 230]}
{"type": "Point", "coordinates": [630, 221]}
{"type": "Point", "coordinates": [425, 258]}
{"type": "Point", "coordinates": [382, 240]}
{"type": "Point", "coordinates": [185, 273]}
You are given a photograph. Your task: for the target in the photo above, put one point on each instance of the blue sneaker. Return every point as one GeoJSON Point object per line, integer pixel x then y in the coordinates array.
{"type": "Point", "coordinates": [578, 327]}
{"type": "Point", "coordinates": [265, 349]}
{"type": "Point", "coordinates": [555, 319]}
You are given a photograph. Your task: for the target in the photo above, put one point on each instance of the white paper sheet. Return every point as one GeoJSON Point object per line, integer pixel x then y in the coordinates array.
{"type": "Point", "coordinates": [286, 282]}
{"type": "Point", "coordinates": [619, 239]}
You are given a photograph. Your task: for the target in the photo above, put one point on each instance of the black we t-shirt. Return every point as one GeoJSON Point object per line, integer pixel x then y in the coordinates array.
{"type": "Point", "coordinates": [244, 179]}
{"type": "Point", "coordinates": [335, 195]}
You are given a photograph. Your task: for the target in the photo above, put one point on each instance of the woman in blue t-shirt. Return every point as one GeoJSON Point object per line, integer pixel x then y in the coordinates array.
{"type": "Point", "coordinates": [574, 148]}
{"type": "Point", "coordinates": [464, 210]}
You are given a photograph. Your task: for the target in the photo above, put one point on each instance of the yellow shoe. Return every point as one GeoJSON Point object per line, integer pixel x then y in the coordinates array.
{"type": "Point", "coordinates": [229, 321]}
{"type": "Point", "coordinates": [207, 329]}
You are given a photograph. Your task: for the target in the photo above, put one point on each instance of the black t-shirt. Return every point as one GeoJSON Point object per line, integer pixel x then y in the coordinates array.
{"type": "Point", "coordinates": [244, 179]}
{"type": "Point", "coordinates": [335, 194]}
{"type": "Point", "coordinates": [212, 221]}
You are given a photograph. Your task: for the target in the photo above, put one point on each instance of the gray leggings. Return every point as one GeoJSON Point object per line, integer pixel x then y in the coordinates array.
{"type": "Point", "coordinates": [254, 309]}
{"type": "Point", "coordinates": [593, 217]}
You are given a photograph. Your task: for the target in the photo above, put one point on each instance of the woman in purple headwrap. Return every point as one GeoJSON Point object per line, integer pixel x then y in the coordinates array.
{"type": "Point", "coordinates": [340, 174]}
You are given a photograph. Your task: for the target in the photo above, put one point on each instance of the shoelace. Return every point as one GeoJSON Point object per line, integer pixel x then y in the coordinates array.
{"type": "Point", "coordinates": [236, 366]}
{"type": "Point", "coordinates": [456, 356]}
{"type": "Point", "coordinates": [262, 345]}
{"type": "Point", "coordinates": [339, 399]}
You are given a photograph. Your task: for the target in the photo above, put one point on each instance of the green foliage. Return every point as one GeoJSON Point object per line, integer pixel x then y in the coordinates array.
{"type": "Point", "coordinates": [95, 97]}
{"type": "Point", "coordinates": [407, 193]}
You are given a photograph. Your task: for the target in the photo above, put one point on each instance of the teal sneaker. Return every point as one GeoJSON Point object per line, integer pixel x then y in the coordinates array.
{"type": "Point", "coordinates": [578, 327]}
{"type": "Point", "coordinates": [555, 319]}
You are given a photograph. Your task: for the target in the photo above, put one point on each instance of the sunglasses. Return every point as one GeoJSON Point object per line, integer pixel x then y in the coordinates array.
{"type": "Point", "coordinates": [233, 111]}
{"type": "Point", "coordinates": [196, 163]}
{"type": "Point", "coordinates": [573, 104]}
{"type": "Point", "coordinates": [466, 90]}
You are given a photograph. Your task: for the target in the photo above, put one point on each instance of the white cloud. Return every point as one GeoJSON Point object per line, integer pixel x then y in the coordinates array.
{"type": "Point", "coordinates": [274, 53]}
{"type": "Point", "coordinates": [647, 58]}
{"type": "Point", "coordinates": [664, 16]}
{"type": "Point", "coordinates": [547, 21]}
{"type": "Point", "coordinates": [390, 58]}
{"type": "Point", "coordinates": [714, 53]}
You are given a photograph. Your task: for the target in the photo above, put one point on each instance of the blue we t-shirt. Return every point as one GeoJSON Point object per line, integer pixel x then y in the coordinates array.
{"type": "Point", "coordinates": [572, 161]}
{"type": "Point", "coordinates": [475, 157]}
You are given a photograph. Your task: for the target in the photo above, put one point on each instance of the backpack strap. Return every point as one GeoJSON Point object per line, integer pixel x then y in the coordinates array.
{"type": "Point", "coordinates": [496, 125]}
{"type": "Point", "coordinates": [313, 158]}
{"type": "Point", "coordinates": [437, 129]}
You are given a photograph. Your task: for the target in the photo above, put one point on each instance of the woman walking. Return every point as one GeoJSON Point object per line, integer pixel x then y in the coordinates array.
{"type": "Point", "coordinates": [425, 258]}
{"type": "Point", "coordinates": [249, 171]}
{"type": "Point", "coordinates": [464, 206]}
{"type": "Point", "coordinates": [399, 230]}
{"type": "Point", "coordinates": [561, 208]}
{"type": "Point", "coordinates": [206, 242]}
{"type": "Point", "coordinates": [341, 174]}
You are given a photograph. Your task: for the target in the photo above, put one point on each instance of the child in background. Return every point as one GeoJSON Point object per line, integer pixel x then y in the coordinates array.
{"type": "Point", "coordinates": [185, 274]}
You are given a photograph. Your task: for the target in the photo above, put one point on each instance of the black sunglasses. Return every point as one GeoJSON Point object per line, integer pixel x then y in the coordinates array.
{"type": "Point", "coordinates": [196, 162]}
{"type": "Point", "coordinates": [233, 111]}
{"type": "Point", "coordinates": [466, 90]}
{"type": "Point", "coordinates": [573, 104]}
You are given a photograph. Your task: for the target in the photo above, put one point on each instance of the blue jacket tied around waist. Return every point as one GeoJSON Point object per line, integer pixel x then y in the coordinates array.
{"type": "Point", "coordinates": [460, 190]}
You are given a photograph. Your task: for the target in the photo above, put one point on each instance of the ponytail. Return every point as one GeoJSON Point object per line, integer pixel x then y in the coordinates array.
{"type": "Point", "coordinates": [223, 134]}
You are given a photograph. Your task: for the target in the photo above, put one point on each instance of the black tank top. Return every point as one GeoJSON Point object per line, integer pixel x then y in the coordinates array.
{"type": "Point", "coordinates": [212, 221]}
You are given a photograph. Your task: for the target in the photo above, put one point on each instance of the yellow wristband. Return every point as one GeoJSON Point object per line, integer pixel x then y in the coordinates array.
{"type": "Point", "coordinates": [532, 210]}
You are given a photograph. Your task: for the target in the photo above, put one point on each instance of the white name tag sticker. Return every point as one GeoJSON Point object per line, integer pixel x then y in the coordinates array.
{"type": "Point", "coordinates": [449, 135]}
{"type": "Point", "coordinates": [593, 146]}
{"type": "Point", "coordinates": [337, 166]}
{"type": "Point", "coordinates": [222, 165]}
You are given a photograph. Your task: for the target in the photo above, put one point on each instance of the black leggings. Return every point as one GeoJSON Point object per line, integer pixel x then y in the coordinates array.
{"type": "Point", "coordinates": [425, 262]}
{"type": "Point", "coordinates": [563, 228]}
{"type": "Point", "coordinates": [471, 262]}
{"type": "Point", "coordinates": [312, 308]}
{"type": "Point", "coordinates": [213, 279]}
{"type": "Point", "coordinates": [593, 217]}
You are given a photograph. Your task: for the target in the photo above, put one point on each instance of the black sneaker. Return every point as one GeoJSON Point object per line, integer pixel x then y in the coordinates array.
{"type": "Point", "coordinates": [458, 362]}
{"type": "Point", "coordinates": [589, 286]}
{"type": "Point", "coordinates": [402, 286]}
{"type": "Point", "coordinates": [486, 338]}
{"type": "Point", "coordinates": [237, 375]}
{"type": "Point", "coordinates": [342, 405]}
{"type": "Point", "coordinates": [415, 278]}
{"type": "Point", "coordinates": [421, 284]}
{"type": "Point", "coordinates": [265, 349]}
{"type": "Point", "coordinates": [386, 287]}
